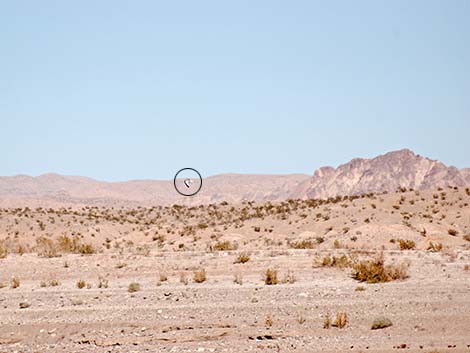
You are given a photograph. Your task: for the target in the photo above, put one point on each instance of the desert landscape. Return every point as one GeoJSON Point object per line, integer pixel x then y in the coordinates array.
{"type": "Point", "coordinates": [372, 256]}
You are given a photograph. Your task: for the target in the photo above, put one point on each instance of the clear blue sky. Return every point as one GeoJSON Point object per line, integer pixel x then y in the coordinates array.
{"type": "Point", "coordinates": [120, 90]}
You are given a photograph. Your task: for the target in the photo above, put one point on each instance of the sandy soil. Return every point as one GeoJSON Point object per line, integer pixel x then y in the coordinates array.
{"type": "Point", "coordinates": [43, 310]}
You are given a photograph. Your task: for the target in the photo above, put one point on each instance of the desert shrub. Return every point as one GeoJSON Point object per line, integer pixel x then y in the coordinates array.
{"type": "Point", "coordinates": [81, 284]}
{"type": "Point", "coordinates": [327, 321]}
{"type": "Point", "coordinates": [466, 237]}
{"type": "Point", "coordinates": [270, 277]}
{"type": "Point", "coordinates": [434, 247]}
{"type": "Point", "coordinates": [341, 261]}
{"type": "Point", "coordinates": [102, 282]}
{"type": "Point", "coordinates": [163, 277]}
{"type": "Point", "coordinates": [268, 321]}
{"type": "Point", "coordinates": [452, 232]}
{"type": "Point", "coordinates": [133, 287]}
{"type": "Point", "coordinates": [238, 278]}
{"type": "Point", "coordinates": [242, 258]}
{"type": "Point", "coordinates": [406, 244]}
{"type": "Point", "coordinates": [341, 320]}
{"type": "Point", "coordinates": [86, 249]}
{"type": "Point", "coordinates": [3, 250]}
{"type": "Point", "coordinates": [289, 277]}
{"type": "Point", "coordinates": [15, 282]}
{"type": "Point", "coordinates": [375, 271]}
{"type": "Point", "coordinates": [381, 322]}
{"type": "Point", "coordinates": [45, 247]}
{"type": "Point", "coordinates": [360, 289]}
{"type": "Point", "coordinates": [200, 276]}
{"type": "Point", "coordinates": [67, 244]}
{"type": "Point", "coordinates": [183, 278]}
{"type": "Point", "coordinates": [224, 246]}
{"type": "Point", "coordinates": [303, 244]}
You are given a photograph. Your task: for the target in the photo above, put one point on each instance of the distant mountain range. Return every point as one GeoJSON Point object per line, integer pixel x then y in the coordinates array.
{"type": "Point", "coordinates": [383, 173]}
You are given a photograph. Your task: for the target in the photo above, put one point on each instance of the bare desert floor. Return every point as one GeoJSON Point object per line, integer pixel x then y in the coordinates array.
{"type": "Point", "coordinates": [240, 278]}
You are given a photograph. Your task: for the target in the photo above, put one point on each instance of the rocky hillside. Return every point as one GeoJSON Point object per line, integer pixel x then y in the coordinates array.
{"type": "Point", "coordinates": [387, 172]}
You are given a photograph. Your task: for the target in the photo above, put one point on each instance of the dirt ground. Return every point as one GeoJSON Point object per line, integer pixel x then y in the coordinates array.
{"type": "Point", "coordinates": [430, 310]}
{"type": "Point", "coordinates": [173, 279]}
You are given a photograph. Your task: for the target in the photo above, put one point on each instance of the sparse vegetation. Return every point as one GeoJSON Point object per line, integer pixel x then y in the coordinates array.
{"type": "Point", "coordinates": [133, 287]}
{"type": "Point", "coordinates": [15, 282]}
{"type": "Point", "coordinates": [327, 321]}
{"type": "Point", "coordinates": [102, 282]}
{"type": "Point", "coordinates": [242, 258]}
{"type": "Point", "coordinates": [268, 321]}
{"type": "Point", "coordinates": [303, 244]}
{"type": "Point", "coordinates": [200, 276]}
{"type": "Point", "coordinates": [380, 323]}
{"type": "Point", "coordinates": [81, 284]}
{"type": "Point", "coordinates": [341, 320]}
{"type": "Point", "coordinates": [270, 277]}
{"type": "Point", "coordinates": [224, 246]}
{"type": "Point", "coordinates": [406, 244]}
{"type": "Point", "coordinates": [434, 247]}
{"type": "Point", "coordinates": [238, 278]}
{"type": "Point", "coordinates": [375, 271]}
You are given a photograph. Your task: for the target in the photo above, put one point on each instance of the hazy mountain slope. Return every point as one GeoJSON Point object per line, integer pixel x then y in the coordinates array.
{"type": "Point", "coordinates": [55, 188]}
{"type": "Point", "coordinates": [383, 173]}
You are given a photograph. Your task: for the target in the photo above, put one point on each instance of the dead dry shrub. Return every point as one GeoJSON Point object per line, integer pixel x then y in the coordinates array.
{"type": "Point", "coordinates": [3, 250]}
{"type": "Point", "coordinates": [405, 244]}
{"type": "Point", "coordinates": [380, 323]}
{"type": "Point", "coordinates": [45, 247]}
{"type": "Point", "coordinates": [289, 277]}
{"type": "Point", "coordinates": [270, 277]}
{"type": "Point", "coordinates": [15, 282]}
{"type": "Point", "coordinates": [224, 246]}
{"type": "Point", "coordinates": [375, 271]}
{"type": "Point", "coordinates": [133, 287]}
{"type": "Point", "coordinates": [238, 278]}
{"type": "Point", "coordinates": [269, 320]}
{"type": "Point", "coordinates": [81, 284]}
{"type": "Point", "coordinates": [327, 321]}
{"type": "Point", "coordinates": [434, 247]}
{"type": "Point", "coordinates": [342, 261]}
{"type": "Point", "coordinates": [200, 276]}
{"type": "Point", "coordinates": [242, 258]}
{"type": "Point", "coordinates": [341, 320]}
{"type": "Point", "coordinates": [303, 244]}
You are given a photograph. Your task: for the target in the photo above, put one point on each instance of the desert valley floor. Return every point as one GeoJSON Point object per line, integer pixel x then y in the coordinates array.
{"type": "Point", "coordinates": [293, 276]}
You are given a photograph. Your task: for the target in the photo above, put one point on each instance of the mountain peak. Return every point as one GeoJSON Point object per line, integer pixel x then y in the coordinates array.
{"type": "Point", "coordinates": [387, 172]}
